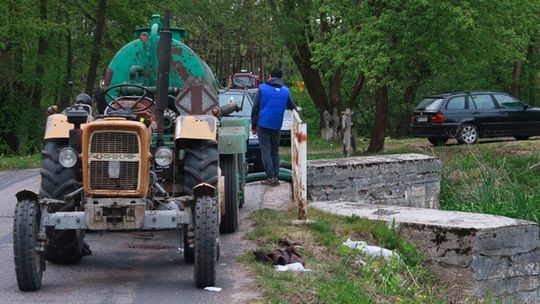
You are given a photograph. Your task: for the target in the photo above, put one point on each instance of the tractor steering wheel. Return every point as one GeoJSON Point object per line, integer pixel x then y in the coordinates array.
{"type": "Point", "coordinates": [116, 105]}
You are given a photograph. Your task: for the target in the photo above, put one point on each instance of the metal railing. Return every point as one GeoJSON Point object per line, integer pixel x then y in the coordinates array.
{"type": "Point", "coordinates": [299, 163]}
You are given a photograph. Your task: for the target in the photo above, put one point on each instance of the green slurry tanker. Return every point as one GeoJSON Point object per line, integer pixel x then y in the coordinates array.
{"type": "Point", "coordinates": [161, 154]}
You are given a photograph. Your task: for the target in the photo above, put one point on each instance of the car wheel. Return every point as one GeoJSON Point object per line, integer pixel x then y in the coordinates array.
{"type": "Point", "coordinates": [521, 137]}
{"type": "Point", "coordinates": [468, 134]}
{"type": "Point", "coordinates": [438, 141]}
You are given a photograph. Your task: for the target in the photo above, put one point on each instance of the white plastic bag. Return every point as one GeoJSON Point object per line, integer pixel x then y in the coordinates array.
{"type": "Point", "coordinates": [371, 251]}
{"type": "Point", "coordinates": [292, 267]}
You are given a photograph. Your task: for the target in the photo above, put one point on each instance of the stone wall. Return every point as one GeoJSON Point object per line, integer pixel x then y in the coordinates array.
{"type": "Point", "coordinates": [475, 255]}
{"type": "Point", "coordinates": [411, 180]}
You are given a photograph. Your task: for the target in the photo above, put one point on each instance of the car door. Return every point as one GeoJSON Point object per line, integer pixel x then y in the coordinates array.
{"type": "Point", "coordinates": [514, 119]}
{"type": "Point", "coordinates": [487, 116]}
{"type": "Point", "coordinates": [456, 111]}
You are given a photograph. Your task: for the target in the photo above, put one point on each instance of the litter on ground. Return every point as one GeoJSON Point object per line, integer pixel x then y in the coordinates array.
{"type": "Point", "coordinates": [372, 251]}
{"type": "Point", "coordinates": [291, 267]}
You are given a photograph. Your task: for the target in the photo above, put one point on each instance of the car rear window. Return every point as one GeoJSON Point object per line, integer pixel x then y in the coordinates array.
{"type": "Point", "coordinates": [429, 104]}
{"type": "Point", "coordinates": [457, 103]}
{"type": "Point", "coordinates": [483, 102]}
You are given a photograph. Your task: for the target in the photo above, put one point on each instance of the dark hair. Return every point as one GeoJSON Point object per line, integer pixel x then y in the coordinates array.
{"type": "Point", "coordinates": [276, 73]}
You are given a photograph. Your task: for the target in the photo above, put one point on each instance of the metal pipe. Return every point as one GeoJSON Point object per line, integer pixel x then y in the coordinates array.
{"type": "Point", "coordinates": [229, 108]}
{"type": "Point", "coordinates": [164, 58]}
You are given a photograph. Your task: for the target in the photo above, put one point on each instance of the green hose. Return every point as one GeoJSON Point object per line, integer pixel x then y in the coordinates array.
{"type": "Point", "coordinates": [284, 175]}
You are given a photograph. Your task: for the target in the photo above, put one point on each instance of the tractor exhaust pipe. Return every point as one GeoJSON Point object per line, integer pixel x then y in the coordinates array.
{"type": "Point", "coordinates": [164, 58]}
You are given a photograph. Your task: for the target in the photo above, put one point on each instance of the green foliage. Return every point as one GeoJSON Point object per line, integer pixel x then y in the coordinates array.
{"type": "Point", "coordinates": [414, 47]}
{"type": "Point", "coordinates": [485, 182]}
{"type": "Point", "coordinates": [19, 162]}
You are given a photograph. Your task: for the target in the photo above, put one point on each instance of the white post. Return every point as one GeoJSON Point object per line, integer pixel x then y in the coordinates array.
{"type": "Point", "coordinates": [299, 164]}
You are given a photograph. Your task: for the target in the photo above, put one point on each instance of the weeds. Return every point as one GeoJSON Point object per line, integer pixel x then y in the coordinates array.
{"type": "Point", "coordinates": [340, 274]}
{"type": "Point", "coordinates": [20, 162]}
{"type": "Point", "coordinates": [493, 183]}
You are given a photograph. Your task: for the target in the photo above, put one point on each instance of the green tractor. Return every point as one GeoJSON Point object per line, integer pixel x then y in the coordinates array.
{"type": "Point", "coordinates": [161, 154]}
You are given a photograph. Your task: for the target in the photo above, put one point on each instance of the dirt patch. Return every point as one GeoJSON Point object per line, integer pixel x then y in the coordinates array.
{"type": "Point", "coordinates": [245, 289]}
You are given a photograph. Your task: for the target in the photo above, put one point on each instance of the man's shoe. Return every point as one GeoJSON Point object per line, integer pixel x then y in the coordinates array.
{"type": "Point", "coordinates": [268, 182]}
{"type": "Point", "coordinates": [275, 182]}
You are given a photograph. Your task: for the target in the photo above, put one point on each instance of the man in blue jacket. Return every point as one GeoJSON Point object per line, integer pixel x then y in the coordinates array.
{"type": "Point", "coordinates": [270, 103]}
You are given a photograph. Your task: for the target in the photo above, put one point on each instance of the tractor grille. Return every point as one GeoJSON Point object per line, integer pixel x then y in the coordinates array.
{"type": "Point", "coordinates": [119, 150]}
{"type": "Point", "coordinates": [114, 142]}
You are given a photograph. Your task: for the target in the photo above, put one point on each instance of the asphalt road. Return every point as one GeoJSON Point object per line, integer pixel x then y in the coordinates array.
{"type": "Point", "coordinates": [141, 267]}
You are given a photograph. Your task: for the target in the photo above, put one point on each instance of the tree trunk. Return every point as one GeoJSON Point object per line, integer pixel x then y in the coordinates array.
{"type": "Point", "coordinates": [409, 97]}
{"type": "Point", "coordinates": [262, 72]}
{"type": "Point", "coordinates": [376, 143]}
{"type": "Point", "coordinates": [238, 58]}
{"type": "Point", "coordinates": [516, 77]}
{"type": "Point", "coordinates": [303, 59]}
{"type": "Point", "coordinates": [68, 83]}
{"type": "Point", "coordinates": [98, 35]}
{"type": "Point", "coordinates": [357, 88]}
{"type": "Point", "coordinates": [37, 90]}
{"type": "Point", "coordinates": [532, 59]}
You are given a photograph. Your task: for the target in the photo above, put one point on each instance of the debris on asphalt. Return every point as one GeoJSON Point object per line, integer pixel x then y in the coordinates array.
{"type": "Point", "coordinates": [214, 289]}
{"type": "Point", "coordinates": [372, 251]}
{"type": "Point", "coordinates": [292, 267]}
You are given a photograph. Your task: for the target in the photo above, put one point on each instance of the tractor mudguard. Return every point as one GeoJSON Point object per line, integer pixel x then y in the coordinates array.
{"type": "Point", "coordinates": [26, 195]}
{"type": "Point", "coordinates": [57, 126]}
{"type": "Point", "coordinates": [204, 189]}
{"type": "Point", "coordinates": [196, 127]}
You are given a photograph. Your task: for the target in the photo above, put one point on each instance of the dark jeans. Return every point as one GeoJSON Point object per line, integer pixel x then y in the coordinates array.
{"type": "Point", "coordinates": [269, 143]}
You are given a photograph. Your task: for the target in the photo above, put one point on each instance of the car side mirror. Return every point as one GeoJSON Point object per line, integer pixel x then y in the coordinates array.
{"type": "Point", "coordinates": [525, 106]}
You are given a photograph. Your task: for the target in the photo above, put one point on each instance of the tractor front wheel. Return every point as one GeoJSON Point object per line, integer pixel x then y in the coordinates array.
{"type": "Point", "coordinates": [206, 241]}
{"type": "Point", "coordinates": [63, 246]}
{"type": "Point", "coordinates": [29, 262]}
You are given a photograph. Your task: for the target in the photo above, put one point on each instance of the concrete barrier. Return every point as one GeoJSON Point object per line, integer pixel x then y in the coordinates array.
{"type": "Point", "coordinates": [411, 180]}
{"type": "Point", "coordinates": [475, 255]}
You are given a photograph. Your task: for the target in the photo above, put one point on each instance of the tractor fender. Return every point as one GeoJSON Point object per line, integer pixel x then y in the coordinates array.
{"type": "Point", "coordinates": [204, 189]}
{"type": "Point", "coordinates": [26, 195]}
{"type": "Point", "coordinates": [57, 126]}
{"type": "Point", "coordinates": [196, 127]}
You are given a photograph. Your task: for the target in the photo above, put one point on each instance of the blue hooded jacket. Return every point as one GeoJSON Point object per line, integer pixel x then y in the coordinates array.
{"type": "Point", "coordinates": [270, 103]}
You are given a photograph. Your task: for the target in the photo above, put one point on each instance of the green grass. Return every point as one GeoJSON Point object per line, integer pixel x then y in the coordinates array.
{"type": "Point", "coordinates": [20, 162]}
{"type": "Point", "coordinates": [337, 274]}
{"type": "Point", "coordinates": [493, 182]}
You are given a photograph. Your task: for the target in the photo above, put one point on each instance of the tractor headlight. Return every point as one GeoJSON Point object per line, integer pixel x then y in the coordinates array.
{"type": "Point", "coordinates": [67, 157]}
{"type": "Point", "coordinates": [163, 156]}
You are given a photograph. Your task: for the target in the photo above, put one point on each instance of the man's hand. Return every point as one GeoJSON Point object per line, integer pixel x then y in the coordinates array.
{"type": "Point", "coordinates": [254, 130]}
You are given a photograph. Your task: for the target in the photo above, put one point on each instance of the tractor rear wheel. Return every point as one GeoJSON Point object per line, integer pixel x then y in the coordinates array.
{"type": "Point", "coordinates": [242, 169]}
{"type": "Point", "coordinates": [63, 246]}
{"type": "Point", "coordinates": [229, 166]}
{"type": "Point", "coordinates": [206, 241]}
{"type": "Point", "coordinates": [29, 262]}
